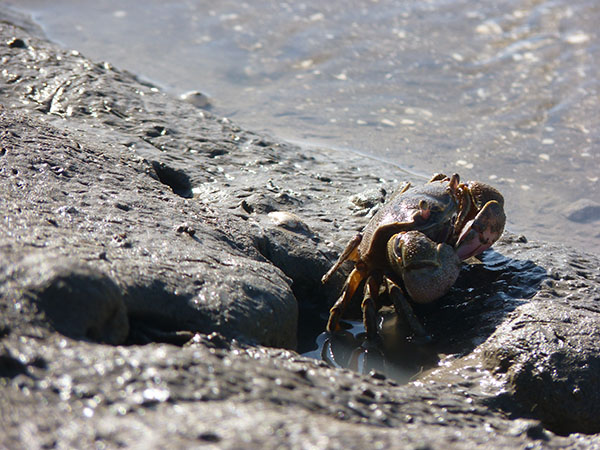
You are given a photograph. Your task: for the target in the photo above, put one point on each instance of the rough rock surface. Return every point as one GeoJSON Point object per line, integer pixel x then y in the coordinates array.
{"type": "Point", "coordinates": [137, 220]}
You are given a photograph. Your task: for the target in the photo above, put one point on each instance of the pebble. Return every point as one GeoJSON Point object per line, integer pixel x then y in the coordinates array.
{"type": "Point", "coordinates": [196, 98]}
{"type": "Point", "coordinates": [287, 220]}
{"type": "Point", "coordinates": [584, 211]}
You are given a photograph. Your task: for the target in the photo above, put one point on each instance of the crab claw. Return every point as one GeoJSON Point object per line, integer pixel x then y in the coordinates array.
{"type": "Point", "coordinates": [480, 233]}
{"type": "Point", "coordinates": [428, 269]}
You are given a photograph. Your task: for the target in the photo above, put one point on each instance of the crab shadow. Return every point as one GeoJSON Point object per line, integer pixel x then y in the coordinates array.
{"type": "Point", "coordinates": [457, 323]}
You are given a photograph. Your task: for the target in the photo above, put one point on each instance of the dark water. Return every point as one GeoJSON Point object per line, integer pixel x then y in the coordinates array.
{"type": "Point", "coordinates": [501, 91]}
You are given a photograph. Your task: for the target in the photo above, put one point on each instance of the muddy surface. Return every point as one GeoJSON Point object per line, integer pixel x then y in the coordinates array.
{"type": "Point", "coordinates": [159, 266]}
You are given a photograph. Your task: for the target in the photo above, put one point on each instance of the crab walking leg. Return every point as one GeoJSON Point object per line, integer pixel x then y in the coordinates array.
{"type": "Point", "coordinates": [352, 282]}
{"type": "Point", "coordinates": [346, 254]}
{"type": "Point", "coordinates": [369, 308]}
{"type": "Point", "coordinates": [401, 304]}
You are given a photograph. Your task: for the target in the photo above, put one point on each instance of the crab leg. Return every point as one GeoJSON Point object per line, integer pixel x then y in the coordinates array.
{"type": "Point", "coordinates": [401, 304]}
{"type": "Point", "coordinates": [401, 190]}
{"type": "Point", "coordinates": [369, 308]}
{"type": "Point", "coordinates": [346, 254]}
{"type": "Point", "coordinates": [352, 282]}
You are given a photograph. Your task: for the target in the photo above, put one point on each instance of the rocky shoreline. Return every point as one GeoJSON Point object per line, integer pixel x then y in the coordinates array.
{"type": "Point", "coordinates": [159, 266]}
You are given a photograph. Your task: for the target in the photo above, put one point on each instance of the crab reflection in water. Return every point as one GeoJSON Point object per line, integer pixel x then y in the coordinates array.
{"type": "Point", "coordinates": [397, 355]}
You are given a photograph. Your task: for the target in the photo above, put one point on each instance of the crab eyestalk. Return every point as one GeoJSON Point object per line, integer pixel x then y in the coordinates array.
{"type": "Point", "coordinates": [483, 220]}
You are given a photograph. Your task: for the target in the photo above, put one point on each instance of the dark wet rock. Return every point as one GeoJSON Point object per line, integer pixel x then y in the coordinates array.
{"type": "Point", "coordinates": [65, 197]}
{"type": "Point", "coordinates": [551, 369]}
{"type": "Point", "coordinates": [548, 349]}
{"type": "Point", "coordinates": [124, 206]}
{"type": "Point", "coordinates": [584, 211]}
{"type": "Point", "coordinates": [78, 301]}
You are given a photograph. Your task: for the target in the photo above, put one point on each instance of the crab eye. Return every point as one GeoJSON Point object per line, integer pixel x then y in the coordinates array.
{"type": "Point", "coordinates": [401, 247]}
{"type": "Point", "coordinates": [398, 243]}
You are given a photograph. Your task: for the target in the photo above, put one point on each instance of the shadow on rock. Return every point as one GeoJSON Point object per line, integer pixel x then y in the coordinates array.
{"type": "Point", "coordinates": [480, 300]}
{"type": "Point", "coordinates": [290, 245]}
{"type": "Point", "coordinates": [150, 325]}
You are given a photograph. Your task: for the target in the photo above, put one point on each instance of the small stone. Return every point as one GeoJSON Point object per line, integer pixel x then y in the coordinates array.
{"type": "Point", "coordinates": [577, 38]}
{"type": "Point", "coordinates": [122, 206]}
{"type": "Point", "coordinates": [489, 27]}
{"type": "Point", "coordinates": [17, 43]}
{"type": "Point", "coordinates": [368, 199]}
{"type": "Point", "coordinates": [185, 228]}
{"type": "Point", "coordinates": [287, 220]}
{"type": "Point", "coordinates": [584, 211]}
{"type": "Point", "coordinates": [196, 98]}
{"type": "Point", "coordinates": [209, 436]}
{"type": "Point", "coordinates": [377, 375]}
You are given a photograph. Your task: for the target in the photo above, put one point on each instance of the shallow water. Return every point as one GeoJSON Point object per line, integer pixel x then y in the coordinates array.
{"type": "Point", "coordinates": [505, 92]}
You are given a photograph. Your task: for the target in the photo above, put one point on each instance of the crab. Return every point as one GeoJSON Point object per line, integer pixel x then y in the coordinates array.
{"type": "Point", "coordinates": [414, 247]}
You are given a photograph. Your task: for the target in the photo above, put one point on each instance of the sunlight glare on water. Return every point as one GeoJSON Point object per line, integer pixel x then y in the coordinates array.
{"type": "Point", "coordinates": [505, 92]}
